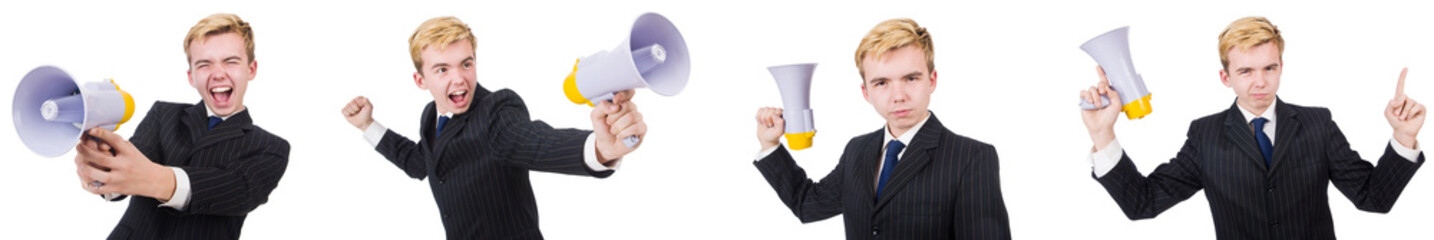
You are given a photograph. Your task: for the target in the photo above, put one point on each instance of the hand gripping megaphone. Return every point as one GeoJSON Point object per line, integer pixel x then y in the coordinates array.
{"type": "Point", "coordinates": [1112, 51]}
{"type": "Point", "coordinates": [795, 83]}
{"type": "Point", "coordinates": [653, 56]}
{"type": "Point", "coordinates": [52, 111]}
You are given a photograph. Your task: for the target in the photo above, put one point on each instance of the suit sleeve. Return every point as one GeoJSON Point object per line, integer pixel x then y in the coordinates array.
{"type": "Point", "coordinates": [980, 209]}
{"type": "Point", "coordinates": [403, 153]}
{"type": "Point", "coordinates": [1371, 188]}
{"type": "Point", "coordinates": [238, 186]}
{"type": "Point", "coordinates": [524, 143]}
{"type": "Point", "coordinates": [810, 201]}
{"type": "Point", "coordinates": [1143, 197]}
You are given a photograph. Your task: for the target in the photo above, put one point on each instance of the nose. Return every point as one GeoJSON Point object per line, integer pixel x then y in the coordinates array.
{"type": "Point", "coordinates": [1260, 79]}
{"type": "Point", "coordinates": [897, 91]}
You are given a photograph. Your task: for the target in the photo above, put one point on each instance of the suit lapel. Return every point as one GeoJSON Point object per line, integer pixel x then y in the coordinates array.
{"type": "Point", "coordinates": [865, 166]}
{"type": "Point", "coordinates": [196, 119]}
{"type": "Point", "coordinates": [452, 129]}
{"type": "Point", "coordinates": [914, 159]}
{"type": "Point", "coordinates": [1240, 135]}
{"type": "Point", "coordinates": [1286, 130]}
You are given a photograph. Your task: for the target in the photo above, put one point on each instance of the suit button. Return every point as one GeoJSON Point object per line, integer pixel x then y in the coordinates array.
{"type": "Point", "coordinates": [1270, 189]}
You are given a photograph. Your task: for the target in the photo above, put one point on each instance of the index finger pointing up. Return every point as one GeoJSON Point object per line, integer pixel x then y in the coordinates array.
{"type": "Point", "coordinates": [1399, 88]}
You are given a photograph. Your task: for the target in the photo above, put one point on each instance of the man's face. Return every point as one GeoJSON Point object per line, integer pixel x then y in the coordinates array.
{"type": "Point", "coordinates": [1254, 75]}
{"type": "Point", "coordinates": [899, 86]}
{"type": "Point", "coordinates": [449, 75]}
{"type": "Point", "coordinates": [220, 69]}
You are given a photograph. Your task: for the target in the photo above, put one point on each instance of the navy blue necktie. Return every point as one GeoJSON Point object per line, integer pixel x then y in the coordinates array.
{"type": "Point", "coordinates": [439, 128]}
{"type": "Point", "coordinates": [214, 121]}
{"type": "Point", "coordinates": [892, 149]}
{"type": "Point", "coordinates": [1266, 148]}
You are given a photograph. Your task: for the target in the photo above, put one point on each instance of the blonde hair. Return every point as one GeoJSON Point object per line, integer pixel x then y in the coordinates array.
{"type": "Point", "coordinates": [220, 23]}
{"type": "Point", "coordinates": [893, 34]}
{"type": "Point", "coordinates": [1246, 33]}
{"type": "Point", "coordinates": [439, 31]}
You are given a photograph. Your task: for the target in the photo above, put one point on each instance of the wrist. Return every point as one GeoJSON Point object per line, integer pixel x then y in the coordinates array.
{"type": "Point", "coordinates": [766, 145]}
{"type": "Point", "coordinates": [1408, 140]}
{"type": "Point", "coordinates": [1101, 139]}
{"type": "Point", "coordinates": [164, 183]}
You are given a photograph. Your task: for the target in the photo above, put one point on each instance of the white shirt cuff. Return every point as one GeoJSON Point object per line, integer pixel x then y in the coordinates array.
{"type": "Point", "coordinates": [590, 157]}
{"type": "Point", "coordinates": [766, 152]}
{"type": "Point", "coordinates": [1106, 158]}
{"type": "Point", "coordinates": [374, 133]}
{"type": "Point", "coordinates": [180, 199]}
{"type": "Point", "coordinates": [1409, 154]}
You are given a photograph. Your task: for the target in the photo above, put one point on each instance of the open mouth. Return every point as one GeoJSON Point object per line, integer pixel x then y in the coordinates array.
{"type": "Point", "coordinates": [221, 95]}
{"type": "Point", "coordinates": [459, 98]}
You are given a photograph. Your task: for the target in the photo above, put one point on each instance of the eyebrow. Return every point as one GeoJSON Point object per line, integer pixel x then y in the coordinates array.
{"type": "Point", "coordinates": [197, 62]}
{"type": "Point", "coordinates": [436, 65]}
{"type": "Point", "coordinates": [908, 75]}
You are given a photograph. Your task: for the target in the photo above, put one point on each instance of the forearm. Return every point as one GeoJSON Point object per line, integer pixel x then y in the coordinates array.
{"type": "Point", "coordinates": [808, 200]}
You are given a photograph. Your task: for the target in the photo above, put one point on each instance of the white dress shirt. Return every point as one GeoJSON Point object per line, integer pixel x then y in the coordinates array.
{"type": "Point", "coordinates": [1104, 160]}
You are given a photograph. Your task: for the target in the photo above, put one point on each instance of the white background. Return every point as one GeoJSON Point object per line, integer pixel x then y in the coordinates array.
{"type": "Point", "coordinates": [1009, 74]}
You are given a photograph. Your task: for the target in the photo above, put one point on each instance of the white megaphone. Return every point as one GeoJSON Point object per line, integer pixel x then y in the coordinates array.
{"type": "Point", "coordinates": [795, 83]}
{"type": "Point", "coordinates": [52, 111]}
{"type": "Point", "coordinates": [1112, 51]}
{"type": "Point", "coordinates": [654, 56]}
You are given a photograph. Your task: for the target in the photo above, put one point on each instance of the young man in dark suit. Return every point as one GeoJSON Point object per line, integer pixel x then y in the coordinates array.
{"type": "Point", "coordinates": [1265, 165]}
{"type": "Point", "coordinates": [477, 146]}
{"type": "Point", "coordinates": [911, 179]}
{"type": "Point", "coordinates": [195, 170]}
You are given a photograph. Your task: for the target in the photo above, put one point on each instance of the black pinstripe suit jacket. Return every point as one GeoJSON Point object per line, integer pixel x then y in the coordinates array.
{"type": "Point", "coordinates": [232, 169]}
{"type": "Point", "coordinates": [945, 186]}
{"type": "Point", "coordinates": [478, 166]}
{"type": "Point", "coordinates": [1252, 201]}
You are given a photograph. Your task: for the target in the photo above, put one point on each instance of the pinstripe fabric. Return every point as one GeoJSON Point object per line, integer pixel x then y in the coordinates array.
{"type": "Point", "coordinates": [946, 187]}
{"type": "Point", "coordinates": [232, 169]}
{"type": "Point", "coordinates": [1288, 200]}
{"type": "Point", "coordinates": [478, 166]}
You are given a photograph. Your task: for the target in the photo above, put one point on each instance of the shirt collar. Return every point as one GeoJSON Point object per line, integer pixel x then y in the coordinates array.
{"type": "Point", "coordinates": [1269, 113]}
{"type": "Point", "coordinates": [226, 118]}
{"type": "Point", "coordinates": [905, 137]}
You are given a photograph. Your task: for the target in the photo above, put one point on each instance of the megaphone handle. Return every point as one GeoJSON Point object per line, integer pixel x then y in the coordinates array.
{"type": "Point", "coordinates": [631, 141]}
{"type": "Point", "coordinates": [1104, 101]}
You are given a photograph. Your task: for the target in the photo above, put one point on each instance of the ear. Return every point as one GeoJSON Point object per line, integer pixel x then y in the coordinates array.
{"type": "Point", "coordinates": [418, 80]}
{"type": "Point", "coordinates": [253, 70]}
{"type": "Point", "coordinates": [190, 76]}
{"type": "Point", "coordinates": [933, 80]}
{"type": "Point", "coordinates": [863, 90]}
{"type": "Point", "coordinates": [1224, 77]}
